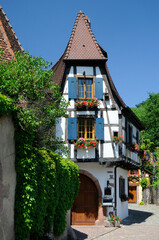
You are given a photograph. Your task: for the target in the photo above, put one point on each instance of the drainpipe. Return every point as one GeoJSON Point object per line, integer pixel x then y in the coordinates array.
{"type": "Point", "coordinates": [115, 188]}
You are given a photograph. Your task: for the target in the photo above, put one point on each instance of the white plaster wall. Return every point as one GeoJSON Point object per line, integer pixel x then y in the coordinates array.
{"type": "Point", "coordinates": [105, 117]}
{"type": "Point", "coordinates": [106, 134]}
{"type": "Point", "coordinates": [98, 171]}
{"type": "Point", "coordinates": [101, 105]}
{"type": "Point", "coordinates": [72, 153]}
{"type": "Point", "coordinates": [113, 117]}
{"type": "Point", "coordinates": [116, 148]}
{"type": "Point", "coordinates": [108, 150]}
{"type": "Point", "coordinates": [60, 128]}
{"type": "Point", "coordinates": [88, 71]}
{"type": "Point", "coordinates": [72, 104]}
{"type": "Point", "coordinates": [71, 72]}
{"type": "Point", "coordinates": [66, 87]}
{"type": "Point", "coordinates": [98, 73]}
{"type": "Point", "coordinates": [123, 149]}
{"type": "Point", "coordinates": [122, 207]}
{"type": "Point", "coordinates": [123, 121]}
{"type": "Point", "coordinates": [86, 153]}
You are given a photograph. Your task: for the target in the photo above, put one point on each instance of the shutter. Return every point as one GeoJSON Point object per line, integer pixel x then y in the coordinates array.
{"type": "Point", "coordinates": [100, 128]}
{"type": "Point", "coordinates": [119, 186]}
{"type": "Point", "coordinates": [127, 133]}
{"type": "Point", "coordinates": [99, 88]}
{"type": "Point", "coordinates": [131, 135]}
{"type": "Point", "coordinates": [72, 87]}
{"type": "Point", "coordinates": [72, 128]}
{"type": "Point", "coordinates": [123, 185]}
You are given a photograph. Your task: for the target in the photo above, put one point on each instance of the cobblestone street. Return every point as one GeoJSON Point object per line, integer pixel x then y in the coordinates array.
{"type": "Point", "coordinates": [142, 224]}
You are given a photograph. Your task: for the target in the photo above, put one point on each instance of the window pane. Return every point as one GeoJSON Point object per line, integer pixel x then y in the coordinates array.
{"type": "Point", "coordinates": [81, 88]}
{"type": "Point", "coordinates": [89, 84]}
{"type": "Point", "coordinates": [81, 128]}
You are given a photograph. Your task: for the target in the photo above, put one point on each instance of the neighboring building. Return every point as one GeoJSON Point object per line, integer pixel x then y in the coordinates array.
{"type": "Point", "coordinates": [8, 41]}
{"type": "Point", "coordinates": [135, 189]}
{"type": "Point", "coordinates": [83, 74]}
{"type": "Point", "coordinates": [9, 44]}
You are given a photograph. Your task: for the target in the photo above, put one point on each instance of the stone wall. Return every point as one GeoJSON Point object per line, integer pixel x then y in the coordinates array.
{"type": "Point", "coordinates": [7, 178]}
{"type": "Point", "coordinates": [151, 195]}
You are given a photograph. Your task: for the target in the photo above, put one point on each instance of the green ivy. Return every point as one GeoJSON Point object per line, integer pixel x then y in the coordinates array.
{"type": "Point", "coordinates": [47, 184]}
{"type": "Point", "coordinates": [6, 105]}
{"type": "Point", "coordinates": [144, 182]}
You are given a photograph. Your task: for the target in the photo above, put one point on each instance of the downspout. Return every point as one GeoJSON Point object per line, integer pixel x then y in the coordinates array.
{"type": "Point", "coordinates": [115, 189]}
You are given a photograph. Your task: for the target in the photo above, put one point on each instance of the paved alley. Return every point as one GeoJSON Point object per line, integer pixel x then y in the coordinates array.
{"type": "Point", "coordinates": [142, 224]}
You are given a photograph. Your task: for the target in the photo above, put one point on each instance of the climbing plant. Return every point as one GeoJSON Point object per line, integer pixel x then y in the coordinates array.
{"type": "Point", "coordinates": [47, 184]}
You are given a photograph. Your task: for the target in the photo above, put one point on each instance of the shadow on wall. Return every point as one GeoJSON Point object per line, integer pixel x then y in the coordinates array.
{"type": "Point", "coordinates": [136, 216]}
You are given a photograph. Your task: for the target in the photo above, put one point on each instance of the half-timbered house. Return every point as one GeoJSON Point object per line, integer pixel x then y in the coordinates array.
{"type": "Point", "coordinates": [101, 130]}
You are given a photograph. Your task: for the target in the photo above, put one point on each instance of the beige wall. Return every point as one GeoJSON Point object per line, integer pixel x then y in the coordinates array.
{"type": "Point", "coordinates": [7, 178]}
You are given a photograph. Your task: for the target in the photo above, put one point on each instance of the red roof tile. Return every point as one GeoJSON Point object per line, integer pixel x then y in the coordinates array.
{"type": "Point", "coordinates": [82, 43]}
{"type": "Point", "coordinates": [8, 41]}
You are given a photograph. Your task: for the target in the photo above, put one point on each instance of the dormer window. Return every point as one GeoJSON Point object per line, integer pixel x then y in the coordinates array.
{"type": "Point", "coordinates": [85, 88]}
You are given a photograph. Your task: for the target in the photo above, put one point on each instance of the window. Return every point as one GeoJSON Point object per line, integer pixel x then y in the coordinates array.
{"type": "Point", "coordinates": [121, 186]}
{"type": "Point", "coordinates": [115, 134]}
{"type": "Point", "coordinates": [86, 128]}
{"type": "Point", "coordinates": [137, 136]}
{"type": "Point", "coordinates": [85, 88]}
{"type": "Point", "coordinates": [130, 134]}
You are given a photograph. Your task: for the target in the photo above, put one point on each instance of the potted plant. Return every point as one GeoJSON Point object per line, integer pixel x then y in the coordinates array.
{"type": "Point", "coordinates": [134, 147]}
{"type": "Point", "coordinates": [124, 197]}
{"type": "Point", "coordinates": [115, 220]}
{"type": "Point", "coordinates": [118, 139]}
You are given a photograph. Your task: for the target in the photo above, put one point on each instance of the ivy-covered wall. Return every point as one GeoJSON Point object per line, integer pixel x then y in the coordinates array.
{"type": "Point", "coordinates": [46, 184]}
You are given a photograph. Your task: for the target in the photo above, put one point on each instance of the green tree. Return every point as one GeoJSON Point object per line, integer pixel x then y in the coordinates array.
{"type": "Point", "coordinates": [148, 113]}
{"type": "Point", "coordinates": [47, 184]}
{"type": "Point", "coordinates": [38, 101]}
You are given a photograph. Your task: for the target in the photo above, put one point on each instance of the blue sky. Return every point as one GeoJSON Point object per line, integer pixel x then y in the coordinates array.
{"type": "Point", "coordinates": [127, 29]}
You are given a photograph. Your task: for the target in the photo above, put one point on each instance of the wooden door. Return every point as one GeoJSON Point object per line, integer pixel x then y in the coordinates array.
{"type": "Point", "coordinates": [85, 207]}
{"type": "Point", "coordinates": [132, 194]}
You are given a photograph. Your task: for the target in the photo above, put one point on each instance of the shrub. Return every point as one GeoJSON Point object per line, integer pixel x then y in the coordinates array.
{"type": "Point", "coordinates": [144, 182]}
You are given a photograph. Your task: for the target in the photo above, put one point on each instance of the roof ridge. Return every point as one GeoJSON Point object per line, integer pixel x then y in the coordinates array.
{"type": "Point", "coordinates": [90, 32]}
{"type": "Point", "coordinates": [11, 28]}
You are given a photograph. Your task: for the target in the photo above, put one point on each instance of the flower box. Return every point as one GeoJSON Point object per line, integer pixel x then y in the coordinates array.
{"type": "Point", "coordinates": [134, 147]}
{"type": "Point", "coordinates": [124, 197]}
{"type": "Point", "coordinates": [86, 153]}
{"type": "Point", "coordinates": [118, 139]}
{"type": "Point", "coordinates": [90, 104]}
{"type": "Point", "coordinates": [82, 143]}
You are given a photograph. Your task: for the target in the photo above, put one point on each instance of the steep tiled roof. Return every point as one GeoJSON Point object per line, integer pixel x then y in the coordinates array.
{"type": "Point", "coordinates": [58, 70]}
{"type": "Point", "coordinates": [8, 40]}
{"type": "Point", "coordinates": [82, 43]}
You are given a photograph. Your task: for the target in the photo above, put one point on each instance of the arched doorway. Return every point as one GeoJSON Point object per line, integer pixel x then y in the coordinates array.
{"type": "Point", "coordinates": [85, 207]}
